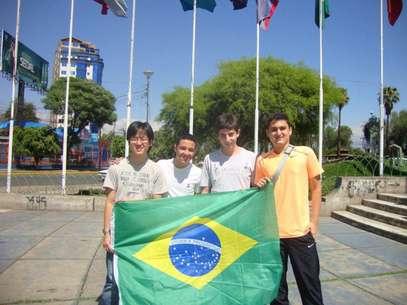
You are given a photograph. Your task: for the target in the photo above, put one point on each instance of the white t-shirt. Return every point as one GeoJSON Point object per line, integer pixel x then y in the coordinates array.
{"type": "Point", "coordinates": [181, 181]}
{"type": "Point", "coordinates": [222, 173]}
{"type": "Point", "coordinates": [135, 182]}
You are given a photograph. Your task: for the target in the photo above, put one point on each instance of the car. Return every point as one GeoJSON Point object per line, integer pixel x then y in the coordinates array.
{"type": "Point", "coordinates": [102, 174]}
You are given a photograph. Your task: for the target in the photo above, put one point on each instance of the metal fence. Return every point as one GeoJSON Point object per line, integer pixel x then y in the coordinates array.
{"type": "Point", "coordinates": [362, 164]}
{"type": "Point", "coordinates": [49, 182]}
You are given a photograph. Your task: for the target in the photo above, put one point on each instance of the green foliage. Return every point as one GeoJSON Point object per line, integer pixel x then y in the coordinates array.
{"type": "Point", "coordinates": [88, 103]}
{"type": "Point", "coordinates": [35, 142]}
{"type": "Point", "coordinates": [398, 127]}
{"type": "Point", "coordinates": [163, 146]}
{"type": "Point", "coordinates": [117, 146]}
{"type": "Point", "coordinates": [331, 139]}
{"type": "Point", "coordinates": [290, 88]}
{"type": "Point", "coordinates": [390, 97]}
{"type": "Point", "coordinates": [25, 112]}
{"type": "Point", "coordinates": [371, 133]}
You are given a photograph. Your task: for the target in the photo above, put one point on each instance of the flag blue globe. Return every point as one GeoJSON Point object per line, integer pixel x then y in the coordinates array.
{"type": "Point", "coordinates": [195, 250]}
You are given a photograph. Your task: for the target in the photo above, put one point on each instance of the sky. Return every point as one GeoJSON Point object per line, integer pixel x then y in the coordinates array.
{"type": "Point", "coordinates": [163, 44]}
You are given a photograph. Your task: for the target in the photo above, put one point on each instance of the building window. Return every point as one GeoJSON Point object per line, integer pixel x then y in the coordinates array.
{"type": "Point", "coordinates": [63, 72]}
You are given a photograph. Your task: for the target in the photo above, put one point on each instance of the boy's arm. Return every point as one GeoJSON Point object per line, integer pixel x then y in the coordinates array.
{"type": "Point", "coordinates": [204, 190]}
{"type": "Point", "coordinates": [107, 239]}
{"type": "Point", "coordinates": [315, 187]}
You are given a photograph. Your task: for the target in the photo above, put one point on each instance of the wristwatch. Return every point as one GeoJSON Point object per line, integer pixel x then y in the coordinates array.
{"type": "Point", "coordinates": [104, 231]}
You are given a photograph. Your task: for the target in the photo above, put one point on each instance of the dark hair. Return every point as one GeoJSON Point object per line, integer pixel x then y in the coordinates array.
{"type": "Point", "coordinates": [136, 126]}
{"type": "Point", "coordinates": [278, 116]}
{"type": "Point", "coordinates": [186, 136]}
{"type": "Point", "coordinates": [227, 121]}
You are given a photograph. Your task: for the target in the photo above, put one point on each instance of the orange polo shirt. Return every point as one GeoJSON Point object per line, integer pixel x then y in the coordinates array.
{"type": "Point", "coordinates": [291, 189]}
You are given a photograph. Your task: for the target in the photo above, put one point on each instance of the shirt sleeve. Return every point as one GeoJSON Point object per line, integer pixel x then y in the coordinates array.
{"type": "Point", "coordinates": [259, 171]}
{"type": "Point", "coordinates": [205, 180]}
{"type": "Point", "coordinates": [160, 185]}
{"type": "Point", "coordinates": [313, 166]}
{"type": "Point", "coordinates": [111, 180]}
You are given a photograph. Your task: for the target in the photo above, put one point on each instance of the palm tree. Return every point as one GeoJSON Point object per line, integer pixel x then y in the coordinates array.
{"type": "Point", "coordinates": [390, 97]}
{"type": "Point", "coordinates": [341, 103]}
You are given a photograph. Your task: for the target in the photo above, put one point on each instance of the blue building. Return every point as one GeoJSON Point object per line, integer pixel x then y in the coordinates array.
{"type": "Point", "coordinates": [86, 62]}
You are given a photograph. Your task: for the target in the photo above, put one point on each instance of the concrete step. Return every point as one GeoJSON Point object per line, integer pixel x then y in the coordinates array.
{"type": "Point", "coordinates": [373, 226]}
{"type": "Point", "coordinates": [379, 215]}
{"type": "Point", "coordinates": [386, 206]}
{"type": "Point", "coordinates": [395, 198]}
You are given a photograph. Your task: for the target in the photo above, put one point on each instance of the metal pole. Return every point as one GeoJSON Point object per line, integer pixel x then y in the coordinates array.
{"type": "Point", "coordinates": [381, 102]}
{"type": "Point", "coordinates": [65, 142]}
{"type": "Point", "coordinates": [321, 91]}
{"type": "Point", "coordinates": [13, 97]}
{"type": "Point", "coordinates": [256, 111]}
{"type": "Point", "coordinates": [191, 107]}
{"type": "Point", "coordinates": [133, 17]}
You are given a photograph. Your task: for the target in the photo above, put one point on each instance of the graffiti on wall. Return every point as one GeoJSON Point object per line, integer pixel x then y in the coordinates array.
{"type": "Point", "coordinates": [38, 202]}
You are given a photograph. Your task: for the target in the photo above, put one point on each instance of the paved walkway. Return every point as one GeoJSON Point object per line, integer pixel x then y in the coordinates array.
{"type": "Point", "coordinates": [55, 258]}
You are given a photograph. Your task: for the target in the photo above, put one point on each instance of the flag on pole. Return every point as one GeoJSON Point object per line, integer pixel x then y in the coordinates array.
{"type": "Point", "coordinates": [218, 249]}
{"type": "Point", "coordinates": [265, 10]}
{"type": "Point", "coordinates": [239, 4]}
{"type": "Point", "coordinates": [188, 5]}
{"type": "Point", "coordinates": [325, 11]}
{"type": "Point", "coordinates": [118, 7]}
{"type": "Point", "coordinates": [394, 8]}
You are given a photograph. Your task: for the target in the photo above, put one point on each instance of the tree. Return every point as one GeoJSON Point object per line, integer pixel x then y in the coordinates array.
{"type": "Point", "coordinates": [398, 129]}
{"type": "Point", "coordinates": [291, 88]}
{"type": "Point", "coordinates": [371, 133]}
{"type": "Point", "coordinates": [331, 139]}
{"type": "Point", "coordinates": [118, 146]}
{"type": "Point", "coordinates": [341, 103]}
{"type": "Point", "coordinates": [390, 97]}
{"type": "Point", "coordinates": [35, 142]}
{"type": "Point", "coordinates": [27, 112]}
{"type": "Point", "coordinates": [88, 103]}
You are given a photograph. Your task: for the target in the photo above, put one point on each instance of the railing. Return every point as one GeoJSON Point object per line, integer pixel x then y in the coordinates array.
{"type": "Point", "coordinates": [49, 182]}
{"type": "Point", "coordinates": [362, 164]}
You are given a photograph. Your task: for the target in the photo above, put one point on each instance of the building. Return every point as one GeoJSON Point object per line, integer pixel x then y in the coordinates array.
{"type": "Point", "coordinates": [86, 63]}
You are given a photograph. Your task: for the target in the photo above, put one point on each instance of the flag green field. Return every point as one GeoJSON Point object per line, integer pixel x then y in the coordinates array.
{"type": "Point", "coordinates": [220, 248]}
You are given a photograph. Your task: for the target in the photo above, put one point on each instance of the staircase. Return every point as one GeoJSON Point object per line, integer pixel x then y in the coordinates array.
{"type": "Point", "coordinates": [386, 216]}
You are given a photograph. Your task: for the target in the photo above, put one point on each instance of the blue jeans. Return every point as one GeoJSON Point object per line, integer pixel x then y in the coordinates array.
{"type": "Point", "coordinates": [110, 293]}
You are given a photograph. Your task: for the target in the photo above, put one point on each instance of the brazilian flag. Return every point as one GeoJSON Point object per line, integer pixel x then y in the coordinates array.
{"type": "Point", "coordinates": [220, 248]}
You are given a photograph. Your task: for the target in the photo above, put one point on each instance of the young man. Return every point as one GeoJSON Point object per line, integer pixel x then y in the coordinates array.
{"type": "Point", "coordinates": [300, 174]}
{"type": "Point", "coordinates": [133, 178]}
{"type": "Point", "coordinates": [230, 168]}
{"type": "Point", "coordinates": [182, 176]}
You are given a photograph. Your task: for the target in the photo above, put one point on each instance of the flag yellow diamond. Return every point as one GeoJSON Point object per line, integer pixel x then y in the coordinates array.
{"type": "Point", "coordinates": [196, 252]}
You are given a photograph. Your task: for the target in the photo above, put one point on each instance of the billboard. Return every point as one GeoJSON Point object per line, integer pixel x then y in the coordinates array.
{"type": "Point", "coordinates": [31, 68]}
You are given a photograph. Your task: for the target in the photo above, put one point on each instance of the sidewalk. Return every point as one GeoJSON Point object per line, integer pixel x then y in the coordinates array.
{"type": "Point", "coordinates": [55, 258]}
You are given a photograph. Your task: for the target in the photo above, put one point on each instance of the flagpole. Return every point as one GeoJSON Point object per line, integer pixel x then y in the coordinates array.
{"type": "Point", "coordinates": [321, 92]}
{"type": "Point", "coordinates": [191, 107]}
{"type": "Point", "coordinates": [133, 17]}
{"type": "Point", "coordinates": [256, 111]}
{"type": "Point", "coordinates": [13, 96]}
{"type": "Point", "coordinates": [65, 141]}
{"type": "Point", "coordinates": [381, 103]}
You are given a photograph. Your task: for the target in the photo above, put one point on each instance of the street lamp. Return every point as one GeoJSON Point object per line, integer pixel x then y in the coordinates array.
{"type": "Point", "coordinates": [148, 74]}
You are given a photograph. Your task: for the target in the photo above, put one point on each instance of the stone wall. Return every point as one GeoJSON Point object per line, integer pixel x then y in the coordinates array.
{"type": "Point", "coordinates": [351, 190]}
{"type": "Point", "coordinates": [51, 202]}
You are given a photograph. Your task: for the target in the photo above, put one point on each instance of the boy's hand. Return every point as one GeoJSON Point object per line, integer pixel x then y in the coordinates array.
{"type": "Point", "coordinates": [263, 181]}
